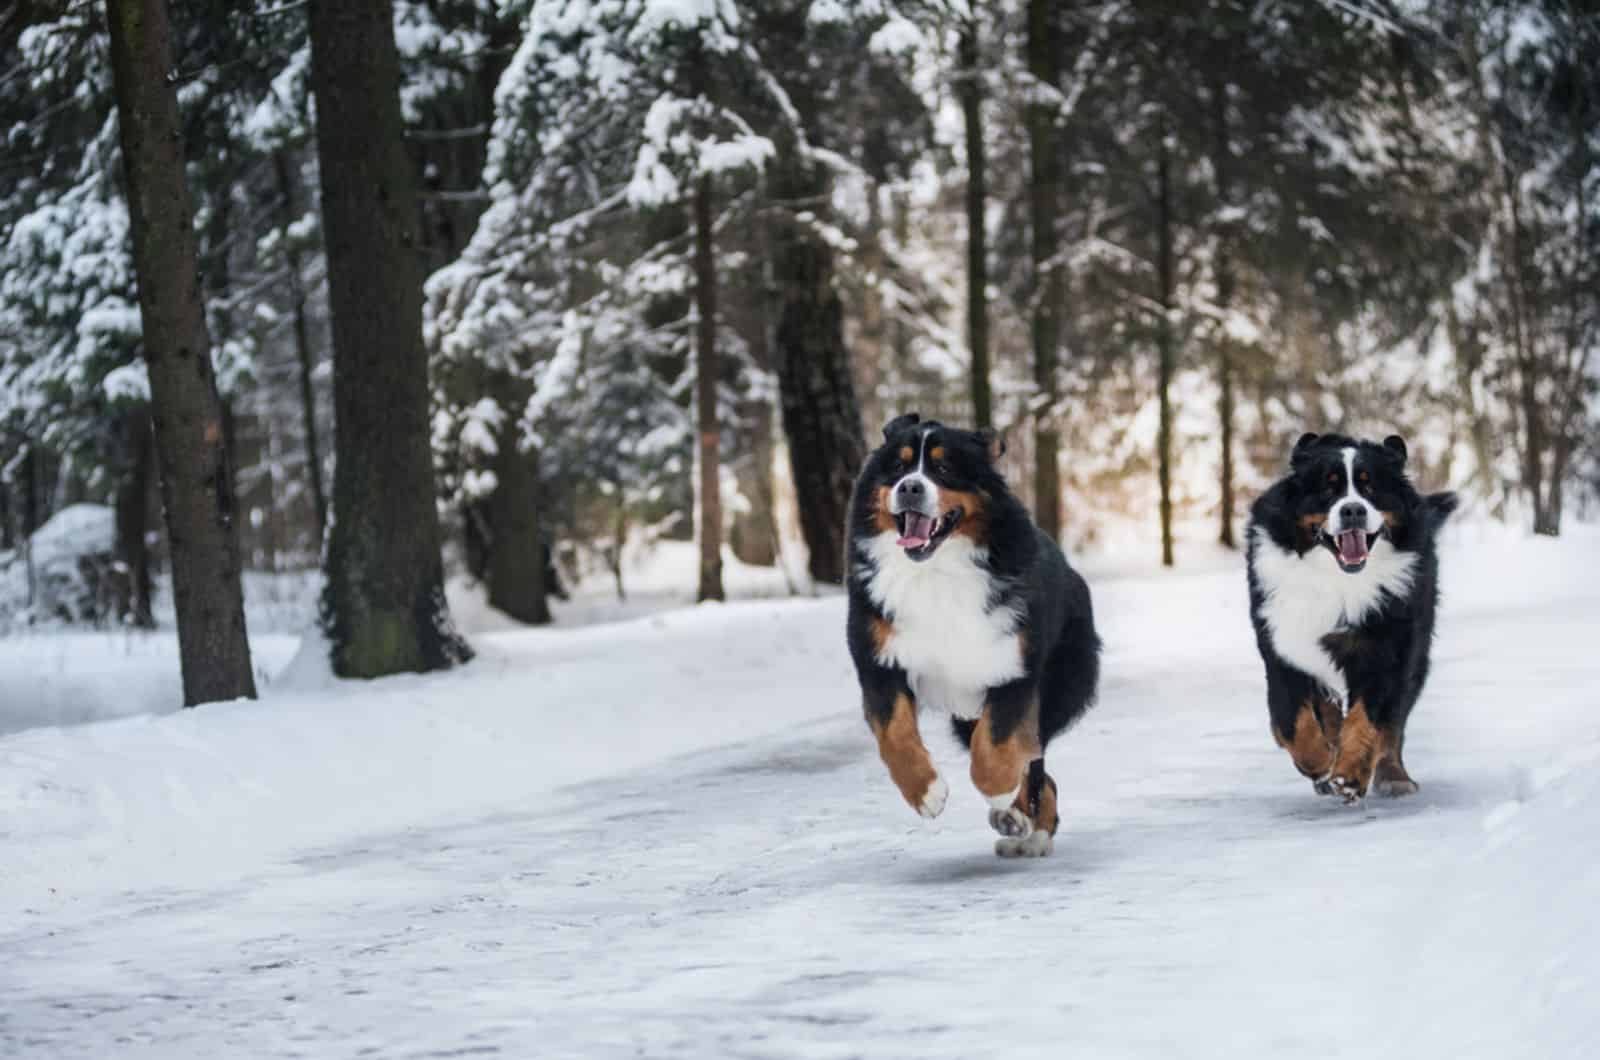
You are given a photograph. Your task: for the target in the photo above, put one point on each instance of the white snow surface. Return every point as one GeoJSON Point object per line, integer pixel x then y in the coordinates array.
{"type": "Point", "coordinates": [671, 837]}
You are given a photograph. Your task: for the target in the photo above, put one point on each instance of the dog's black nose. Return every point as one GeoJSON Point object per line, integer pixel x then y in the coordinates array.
{"type": "Point", "coordinates": [1353, 513]}
{"type": "Point", "coordinates": [911, 488]}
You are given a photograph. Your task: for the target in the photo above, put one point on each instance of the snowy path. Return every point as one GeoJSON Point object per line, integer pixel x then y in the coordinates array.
{"type": "Point", "coordinates": [773, 898]}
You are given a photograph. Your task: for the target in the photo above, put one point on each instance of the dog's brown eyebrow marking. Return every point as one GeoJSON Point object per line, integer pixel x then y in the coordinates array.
{"type": "Point", "coordinates": [937, 452]}
{"type": "Point", "coordinates": [906, 453]}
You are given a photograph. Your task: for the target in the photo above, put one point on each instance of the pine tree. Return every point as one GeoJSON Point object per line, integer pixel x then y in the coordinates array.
{"type": "Point", "coordinates": [383, 609]}
{"type": "Point", "coordinates": [196, 479]}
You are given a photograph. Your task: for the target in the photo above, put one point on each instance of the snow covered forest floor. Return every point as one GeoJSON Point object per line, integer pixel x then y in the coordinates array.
{"type": "Point", "coordinates": [670, 836]}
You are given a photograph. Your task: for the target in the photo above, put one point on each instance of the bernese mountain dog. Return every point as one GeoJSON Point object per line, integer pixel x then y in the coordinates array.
{"type": "Point", "coordinates": [959, 603]}
{"type": "Point", "coordinates": [1344, 582]}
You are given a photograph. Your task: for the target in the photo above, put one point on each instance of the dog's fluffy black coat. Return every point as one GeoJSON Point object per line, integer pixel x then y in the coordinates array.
{"type": "Point", "coordinates": [1344, 617]}
{"type": "Point", "coordinates": [940, 593]}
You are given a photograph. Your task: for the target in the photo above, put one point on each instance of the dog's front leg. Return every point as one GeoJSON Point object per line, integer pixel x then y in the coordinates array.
{"type": "Point", "coordinates": [892, 713]}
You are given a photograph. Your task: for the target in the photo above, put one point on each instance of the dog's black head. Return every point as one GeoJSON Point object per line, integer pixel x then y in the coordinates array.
{"type": "Point", "coordinates": [1345, 495]}
{"type": "Point", "coordinates": [928, 482]}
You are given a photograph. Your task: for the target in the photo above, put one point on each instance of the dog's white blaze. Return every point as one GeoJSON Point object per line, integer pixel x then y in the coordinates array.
{"type": "Point", "coordinates": [930, 488]}
{"type": "Point", "coordinates": [1308, 597]}
{"type": "Point", "coordinates": [950, 645]}
{"type": "Point", "coordinates": [1374, 519]}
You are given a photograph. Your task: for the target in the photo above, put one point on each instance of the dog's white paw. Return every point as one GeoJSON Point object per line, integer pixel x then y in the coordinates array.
{"type": "Point", "coordinates": [1034, 845]}
{"type": "Point", "coordinates": [1010, 822]}
{"type": "Point", "coordinates": [933, 800]}
{"type": "Point", "coordinates": [1394, 789]}
{"type": "Point", "coordinates": [1346, 788]}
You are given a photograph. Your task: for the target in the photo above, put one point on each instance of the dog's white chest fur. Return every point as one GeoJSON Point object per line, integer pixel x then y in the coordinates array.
{"type": "Point", "coordinates": [1308, 597]}
{"type": "Point", "coordinates": [951, 645]}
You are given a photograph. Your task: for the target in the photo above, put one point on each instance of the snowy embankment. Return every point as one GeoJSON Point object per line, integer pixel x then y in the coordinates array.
{"type": "Point", "coordinates": [203, 793]}
{"type": "Point", "coordinates": [671, 837]}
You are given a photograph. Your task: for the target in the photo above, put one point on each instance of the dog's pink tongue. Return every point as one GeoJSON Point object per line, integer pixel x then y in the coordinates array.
{"type": "Point", "coordinates": [1352, 546]}
{"type": "Point", "coordinates": [919, 528]}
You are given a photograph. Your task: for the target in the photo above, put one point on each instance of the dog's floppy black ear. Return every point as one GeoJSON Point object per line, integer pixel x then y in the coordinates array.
{"type": "Point", "coordinates": [993, 442]}
{"type": "Point", "coordinates": [900, 423]}
{"type": "Point", "coordinates": [1307, 440]}
{"type": "Point", "coordinates": [1397, 445]}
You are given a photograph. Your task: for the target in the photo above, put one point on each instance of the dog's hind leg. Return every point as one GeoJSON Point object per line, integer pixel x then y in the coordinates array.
{"type": "Point", "coordinates": [1390, 777]}
{"type": "Point", "coordinates": [1005, 741]}
{"type": "Point", "coordinates": [1038, 802]}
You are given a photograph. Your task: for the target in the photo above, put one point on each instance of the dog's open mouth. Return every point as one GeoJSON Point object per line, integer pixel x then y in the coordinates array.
{"type": "Point", "coordinates": [921, 535]}
{"type": "Point", "coordinates": [1351, 548]}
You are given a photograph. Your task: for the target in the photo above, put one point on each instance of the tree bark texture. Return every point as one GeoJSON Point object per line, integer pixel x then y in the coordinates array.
{"type": "Point", "coordinates": [304, 355]}
{"type": "Point", "coordinates": [383, 608]}
{"type": "Point", "coordinates": [1164, 337]}
{"type": "Point", "coordinates": [706, 373]}
{"type": "Point", "coordinates": [971, 90]}
{"type": "Point", "coordinates": [132, 519]}
{"type": "Point", "coordinates": [821, 418]}
{"type": "Point", "coordinates": [515, 572]}
{"type": "Point", "coordinates": [1223, 166]}
{"type": "Point", "coordinates": [196, 480]}
{"type": "Point", "coordinates": [1044, 202]}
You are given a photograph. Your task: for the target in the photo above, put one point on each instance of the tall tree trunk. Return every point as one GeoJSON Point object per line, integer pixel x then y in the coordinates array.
{"type": "Point", "coordinates": [1044, 199]}
{"type": "Point", "coordinates": [132, 518]}
{"type": "Point", "coordinates": [873, 359]}
{"type": "Point", "coordinates": [817, 394]}
{"type": "Point", "coordinates": [515, 572]}
{"type": "Point", "coordinates": [706, 372]}
{"type": "Point", "coordinates": [305, 358]}
{"type": "Point", "coordinates": [196, 481]}
{"type": "Point", "coordinates": [1468, 347]}
{"type": "Point", "coordinates": [818, 399]}
{"type": "Point", "coordinates": [383, 608]}
{"type": "Point", "coordinates": [32, 515]}
{"type": "Point", "coordinates": [971, 91]}
{"type": "Point", "coordinates": [1164, 336]}
{"type": "Point", "coordinates": [1525, 358]}
{"type": "Point", "coordinates": [1223, 166]}
{"type": "Point", "coordinates": [761, 546]}
{"type": "Point", "coordinates": [619, 534]}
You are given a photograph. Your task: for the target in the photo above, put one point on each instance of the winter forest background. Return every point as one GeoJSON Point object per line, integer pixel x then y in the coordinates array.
{"type": "Point", "coordinates": [672, 262]}
{"type": "Point", "coordinates": [360, 338]}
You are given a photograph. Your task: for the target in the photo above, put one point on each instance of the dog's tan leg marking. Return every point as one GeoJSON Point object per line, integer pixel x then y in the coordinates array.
{"type": "Point", "coordinates": [1390, 777]}
{"type": "Point", "coordinates": [1312, 746]}
{"type": "Point", "coordinates": [1044, 815]}
{"type": "Point", "coordinates": [1359, 744]}
{"type": "Point", "coordinates": [998, 767]}
{"type": "Point", "coordinates": [910, 766]}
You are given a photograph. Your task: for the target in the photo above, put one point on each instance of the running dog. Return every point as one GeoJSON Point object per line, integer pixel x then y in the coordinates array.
{"type": "Point", "coordinates": [959, 603]}
{"type": "Point", "coordinates": [1344, 582]}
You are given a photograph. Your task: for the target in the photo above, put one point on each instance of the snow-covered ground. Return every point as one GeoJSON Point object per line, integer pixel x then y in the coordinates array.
{"type": "Point", "coordinates": [670, 836]}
